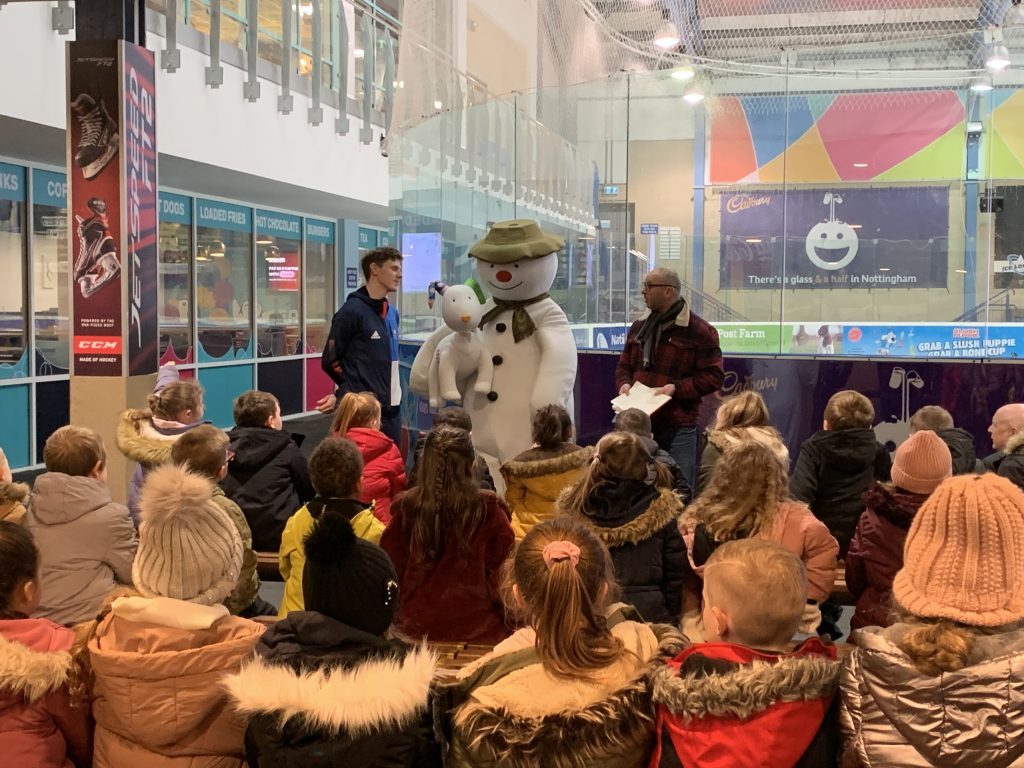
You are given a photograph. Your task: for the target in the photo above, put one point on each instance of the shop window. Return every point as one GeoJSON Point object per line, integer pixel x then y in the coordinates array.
{"type": "Point", "coordinates": [278, 283]}
{"type": "Point", "coordinates": [320, 292]}
{"type": "Point", "coordinates": [223, 267]}
{"type": "Point", "coordinates": [51, 302]}
{"type": "Point", "coordinates": [175, 284]}
{"type": "Point", "coordinates": [13, 341]}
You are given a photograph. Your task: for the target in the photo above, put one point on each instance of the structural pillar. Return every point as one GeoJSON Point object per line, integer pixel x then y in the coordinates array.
{"type": "Point", "coordinates": [112, 210]}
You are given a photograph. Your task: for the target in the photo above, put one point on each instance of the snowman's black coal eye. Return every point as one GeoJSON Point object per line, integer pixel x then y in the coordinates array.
{"type": "Point", "coordinates": [517, 266]}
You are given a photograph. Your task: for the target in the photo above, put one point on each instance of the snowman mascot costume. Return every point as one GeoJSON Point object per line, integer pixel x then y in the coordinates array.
{"type": "Point", "coordinates": [526, 334]}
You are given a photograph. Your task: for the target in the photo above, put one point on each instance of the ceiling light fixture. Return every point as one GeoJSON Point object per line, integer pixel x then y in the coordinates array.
{"type": "Point", "coordinates": [694, 95]}
{"type": "Point", "coordinates": [683, 73]}
{"type": "Point", "coordinates": [998, 56]}
{"type": "Point", "coordinates": [666, 36]}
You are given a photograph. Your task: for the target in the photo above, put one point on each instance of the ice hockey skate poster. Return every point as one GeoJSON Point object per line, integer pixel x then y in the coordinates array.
{"type": "Point", "coordinates": [94, 208]}
{"type": "Point", "coordinates": [140, 253]}
{"type": "Point", "coordinates": [895, 237]}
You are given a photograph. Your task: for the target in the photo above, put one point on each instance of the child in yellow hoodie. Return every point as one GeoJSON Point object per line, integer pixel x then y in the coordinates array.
{"type": "Point", "coordinates": [336, 471]}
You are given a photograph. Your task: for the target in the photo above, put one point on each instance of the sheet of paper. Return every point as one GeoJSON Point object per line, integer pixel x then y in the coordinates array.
{"type": "Point", "coordinates": [640, 396]}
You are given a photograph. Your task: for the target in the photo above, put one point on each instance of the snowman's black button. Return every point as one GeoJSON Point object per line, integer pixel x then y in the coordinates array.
{"type": "Point", "coordinates": [500, 327]}
{"type": "Point", "coordinates": [497, 360]}
{"type": "Point", "coordinates": [492, 395]}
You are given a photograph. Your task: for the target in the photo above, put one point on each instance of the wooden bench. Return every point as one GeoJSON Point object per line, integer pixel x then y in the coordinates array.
{"type": "Point", "coordinates": [840, 592]}
{"type": "Point", "coordinates": [267, 566]}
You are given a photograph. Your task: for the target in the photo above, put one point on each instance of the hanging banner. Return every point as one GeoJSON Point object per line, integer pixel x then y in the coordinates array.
{"type": "Point", "coordinates": [139, 162]}
{"type": "Point", "coordinates": [842, 238]}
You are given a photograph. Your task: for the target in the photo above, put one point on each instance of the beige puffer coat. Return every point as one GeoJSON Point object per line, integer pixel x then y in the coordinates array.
{"type": "Point", "coordinates": [157, 694]}
{"type": "Point", "coordinates": [892, 715]}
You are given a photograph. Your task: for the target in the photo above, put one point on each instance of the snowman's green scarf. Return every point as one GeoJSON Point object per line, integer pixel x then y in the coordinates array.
{"type": "Point", "coordinates": [522, 324]}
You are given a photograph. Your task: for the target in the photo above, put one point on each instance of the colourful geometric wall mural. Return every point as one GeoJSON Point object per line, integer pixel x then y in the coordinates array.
{"type": "Point", "coordinates": [1004, 154]}
{"type": "Point", "coordinates": [873, 136]}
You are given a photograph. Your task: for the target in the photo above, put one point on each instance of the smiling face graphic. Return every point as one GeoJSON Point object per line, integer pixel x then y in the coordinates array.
{"type": "Point", "coordinates": [831, 245]}
{"type": "Point", "coordinates": [519, 280]}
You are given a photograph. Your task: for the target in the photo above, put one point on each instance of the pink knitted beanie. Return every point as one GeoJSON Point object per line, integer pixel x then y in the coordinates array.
{"type": "Point", "coordinates": [964, 556]}
{"type": "Point", "coordinates": [922, 461]}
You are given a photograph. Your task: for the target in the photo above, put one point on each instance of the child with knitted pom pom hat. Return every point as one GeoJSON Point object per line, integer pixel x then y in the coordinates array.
{"type": "Point", "coordinates": [876, 550]}
{"type": "Point", "coordinates": [157, 657]}
{"type": "Point", "coordinates": [954, 667]}
{"type": "Point", "coordinates": [328, 688]}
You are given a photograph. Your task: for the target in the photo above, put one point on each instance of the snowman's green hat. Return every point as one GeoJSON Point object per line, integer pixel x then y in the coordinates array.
{"type": "Point", "coordinates": [509, 241]}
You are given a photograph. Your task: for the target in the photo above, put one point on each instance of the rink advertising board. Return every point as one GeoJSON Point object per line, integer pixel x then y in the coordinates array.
{"type": "Point", "coordinates": [112, 188]}
{"type": "Point", "coordinates": [847, 238]}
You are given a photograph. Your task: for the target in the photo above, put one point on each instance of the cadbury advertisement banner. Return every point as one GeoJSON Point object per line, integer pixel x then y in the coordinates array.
{"type": "Point", "coordinates": [94, 208]}
{"type": "Point", "coordinates": [139, 160]}
{"type": "Point", "coordinates": [843, 238]}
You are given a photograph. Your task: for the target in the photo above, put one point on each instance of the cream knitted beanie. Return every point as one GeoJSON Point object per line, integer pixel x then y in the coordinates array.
{"type": "Point", "coordinates": [189, 549]}
{"type": "Point", "coordinates": [964, 556]}
{"type": "Point", "coordinates": [922, 461]}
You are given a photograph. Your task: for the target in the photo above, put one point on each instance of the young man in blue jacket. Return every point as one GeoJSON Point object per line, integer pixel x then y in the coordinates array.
{"type": "Point", "coordinates": [361, 354]}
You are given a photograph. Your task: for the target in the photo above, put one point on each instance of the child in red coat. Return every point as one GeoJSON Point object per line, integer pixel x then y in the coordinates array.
{"type": "Point", "coordinates": [448, 541]}
{"type": "Point", "coordinates": [358, 420]}
{"type": "Point", "coordinates": [747, 698]}
{"type": "Point", "coordinates": [44, 718]}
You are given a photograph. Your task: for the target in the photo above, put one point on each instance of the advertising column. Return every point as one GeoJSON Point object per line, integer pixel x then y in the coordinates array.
{"type": "Point", "coordinates": [112, 186]}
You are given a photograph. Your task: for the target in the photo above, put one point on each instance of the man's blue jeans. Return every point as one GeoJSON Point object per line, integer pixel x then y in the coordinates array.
{"type": "Point", "coordinates": [681, 445]}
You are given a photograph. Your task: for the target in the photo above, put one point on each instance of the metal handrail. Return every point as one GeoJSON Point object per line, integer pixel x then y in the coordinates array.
{"type": "Point", "coordinates": [971, 315]}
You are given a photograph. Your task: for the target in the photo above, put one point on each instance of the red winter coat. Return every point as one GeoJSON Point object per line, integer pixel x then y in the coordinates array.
{"type": "Point", "coordinates": [383, 469]}
{"type": "Point", "coordinates": [457, 598]}
{"type": "Point", "coordinates": [876, 552]}
{"type": "Point", "coordinates": [39, 727]}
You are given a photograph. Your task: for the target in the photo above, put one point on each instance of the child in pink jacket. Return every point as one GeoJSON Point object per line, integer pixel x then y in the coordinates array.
{"type": "Point", "coordinates": [44, 712]}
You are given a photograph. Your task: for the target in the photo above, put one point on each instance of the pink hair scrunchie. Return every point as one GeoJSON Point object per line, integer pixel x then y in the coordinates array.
{"type": "Point", "coordinates": [557, 551]}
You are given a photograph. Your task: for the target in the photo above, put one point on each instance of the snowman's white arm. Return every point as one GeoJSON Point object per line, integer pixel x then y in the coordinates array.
{"type": "Point", "coordinates": [556, 374]}
{"type": "Point", "coordinates": [420, 372]}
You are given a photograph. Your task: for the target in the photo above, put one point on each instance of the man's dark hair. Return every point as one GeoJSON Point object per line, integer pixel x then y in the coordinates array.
{"type": "Point", "coordinates": [634, 421]}
{"type": "Point", "coordinates": [378, 256]}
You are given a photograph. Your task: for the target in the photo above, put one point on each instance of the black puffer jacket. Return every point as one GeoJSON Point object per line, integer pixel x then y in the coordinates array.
{"type": "Point", "coordinates": [349, 698]}
{"type": "Point", "coordinates": [961, 448]}
{"type": "Point", "coordinates": [637, 522]}
{"type": "Point", "coordinates": [268, 479]}
{"type": "Point", "coordinates": [832, 473]}
{"type": "Point", "coordinates": [1009, 462]}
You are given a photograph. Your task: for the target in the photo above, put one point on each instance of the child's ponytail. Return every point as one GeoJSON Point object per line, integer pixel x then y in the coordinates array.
{"type": "Point", "coordinates": [356, 409]}
{"type": "Point", "coordinates": [937, 647]}
{"type": "Point", "coordinates": [563, 574]}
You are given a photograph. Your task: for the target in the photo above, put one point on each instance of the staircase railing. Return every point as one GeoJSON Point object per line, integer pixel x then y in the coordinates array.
{"type": "Point", "coordinates": [997, 308]}
{"type": "Point", "coordinates": [711, 309]}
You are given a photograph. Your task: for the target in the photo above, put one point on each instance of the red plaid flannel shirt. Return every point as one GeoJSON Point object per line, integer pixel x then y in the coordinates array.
{"type": "Point", "coordinates": [688, 356]}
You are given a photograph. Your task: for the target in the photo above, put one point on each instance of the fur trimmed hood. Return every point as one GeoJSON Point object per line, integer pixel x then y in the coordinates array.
{"type": "Point", "coordinates": [770, 437]}
{"type": "Point", "coordinates": [894, 504]}
{"type": "Point", "coordinates": [32, 673]}
{"type": "Point", "coordinates": [665, 508]}
{"type": "Point", "coordinates": [379, 693]}
{"type": "Point", "coordinates": [13, 493]}
{"type": "Point", "coordinates": [620, 723]}
{"type": "Point", "coordinates": [1014, 444]}
{"type": "Point", "coordinates": [140, 441]}
{"type": "Point", "coordinates": [552, 465]}
{"type": "Point", "coordinates": [748, 689]}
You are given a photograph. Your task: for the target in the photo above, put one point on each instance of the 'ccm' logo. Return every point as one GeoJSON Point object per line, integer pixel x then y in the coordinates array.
{"type": "Point", "coordinates": [97, 344]}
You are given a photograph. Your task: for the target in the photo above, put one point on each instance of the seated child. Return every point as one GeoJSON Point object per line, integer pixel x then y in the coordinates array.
{"type": "Point", "coordinates": [268, 477]}
{"type": "Point", "coordinates": [626, 498]}
{"type": "Point", "coordinates": [44, 706]}
{"type": "Point", "coordinates": [921, 463]}
{"type": "Point", "coordinates": [86, 541]}
{"type": "Point", "coordinates": [145, 435]}
{"type": "Point", "coordinates": [536, 477]}
{"type": "Point", "coordinates": [959, 441]}
{"type": "Point", "coordinates": [569, 689]}
{"type": "Point", "coordinates": [157, 659]}
{"type": "Point", "coordinates": [358, 420]}
{"type": "Point", "coordinates": [12, 495]}
{"type": "Point", "coordinates": [204, 450]}
{"type": "Point", "coordinates": [449, 541]}
{"type": "Point", "coordinates": [638, 423]}
{"type": "Point", "coordinates": [328, 687]}
{"type": "Point", "coordinates": [838, 464]}
{"type": "Point", "coordinates": [453, 416]}
{"type": "Point", "coordinates": [944, 685]}
{"type": "Point", "coordinates": [336, 469]}
{"type": "Point", "coordinates": [748, 497]}
{"type": "Point", "coordinates": [747, 698]}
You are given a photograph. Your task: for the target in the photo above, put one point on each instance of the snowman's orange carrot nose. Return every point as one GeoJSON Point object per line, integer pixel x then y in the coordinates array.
{"type": "Point", "coordinates": [464, 318]}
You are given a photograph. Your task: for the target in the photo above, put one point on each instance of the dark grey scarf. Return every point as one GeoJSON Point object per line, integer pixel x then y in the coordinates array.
{"type": "Point", "coordinates": [656, 323]}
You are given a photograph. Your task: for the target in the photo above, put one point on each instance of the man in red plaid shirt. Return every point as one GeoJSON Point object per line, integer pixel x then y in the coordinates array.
{"type": "Point", "coordinates": [676, 353]}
